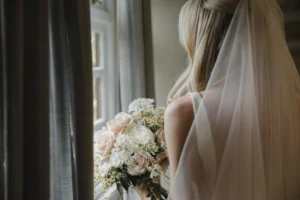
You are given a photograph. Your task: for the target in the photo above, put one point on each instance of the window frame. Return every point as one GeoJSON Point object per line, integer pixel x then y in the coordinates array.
{"type": "Point", "coordinates": [103, 21]}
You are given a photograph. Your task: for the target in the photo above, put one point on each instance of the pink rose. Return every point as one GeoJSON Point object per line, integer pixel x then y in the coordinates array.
{"type": "Point", "coordinates": [163, 161]}
{"type": "Point", "coordinates": [161, 138]}
{"type": "Point", "coordinates": [155, 180]}
{"type": "Point", "coordinates": [143, 161]}
{"type": "Point", "coordinates": [140, 164]}
{"type": "Point", "coordinates": [105, 144]}
{"type": "Point", "coordinates": [119, 123]}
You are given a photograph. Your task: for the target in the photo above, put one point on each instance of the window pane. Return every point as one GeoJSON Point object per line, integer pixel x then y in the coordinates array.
{"type": "Point", "coordinates": [97, 88]}
{"type": "Point", "coordinates": [95, 49]}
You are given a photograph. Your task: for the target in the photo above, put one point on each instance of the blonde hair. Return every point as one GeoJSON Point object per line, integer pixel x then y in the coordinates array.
{"type": "Point", "coordinates": [202, 27]}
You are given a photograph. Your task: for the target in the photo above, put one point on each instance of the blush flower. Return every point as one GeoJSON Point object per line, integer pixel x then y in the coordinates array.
{"type": "Point", "coordinates": [119, 123]}
{"type": "Point", "coordinates": [161, 137]}
{"type": "Point", "coordinates": [105, 144]}
{"type": "Point", "coordinates": [140, 164]}
{"type": "Point", "coordinates": [163, 161]}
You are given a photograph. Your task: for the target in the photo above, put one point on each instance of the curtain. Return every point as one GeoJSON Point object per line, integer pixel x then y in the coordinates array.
{"type": "Point", "coordinates": [130, 51]}
{"type": "Point", "coordinates": [46, 124]}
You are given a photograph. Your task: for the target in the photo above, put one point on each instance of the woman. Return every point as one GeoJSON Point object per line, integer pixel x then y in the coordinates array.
{"type": "Point", "coordinates": [236, 135]}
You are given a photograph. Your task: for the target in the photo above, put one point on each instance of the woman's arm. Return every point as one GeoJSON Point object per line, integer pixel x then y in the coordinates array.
{"type": "Point", "coordinates": [179, 117]}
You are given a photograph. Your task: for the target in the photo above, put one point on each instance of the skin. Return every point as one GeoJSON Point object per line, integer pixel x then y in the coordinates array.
{"type": "Point", "coordinates": [179, 117]}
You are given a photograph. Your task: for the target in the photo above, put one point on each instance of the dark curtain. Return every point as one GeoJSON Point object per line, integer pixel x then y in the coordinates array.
{"type": "Point", "coordinates": [46, 124]}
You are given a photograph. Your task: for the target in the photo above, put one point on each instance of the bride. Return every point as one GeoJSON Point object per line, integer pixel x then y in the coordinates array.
{"type": "Point", "coordinates": [236, 135]}
{"type": "Point", "coordinates": [233, 122]}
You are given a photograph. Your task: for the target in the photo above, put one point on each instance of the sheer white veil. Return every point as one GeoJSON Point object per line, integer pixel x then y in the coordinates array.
{"type": "Point", "coordinates": [245, 140]}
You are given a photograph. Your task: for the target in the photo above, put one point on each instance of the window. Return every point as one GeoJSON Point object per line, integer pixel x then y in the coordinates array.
{"type": "Point", "coordinates": [105, 82]}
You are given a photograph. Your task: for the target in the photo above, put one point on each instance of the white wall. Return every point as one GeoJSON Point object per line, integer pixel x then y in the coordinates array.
{"type": "Point", "coordinates": [169, 58]}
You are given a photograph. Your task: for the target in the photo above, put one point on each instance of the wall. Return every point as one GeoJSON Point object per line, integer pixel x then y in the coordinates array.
{"type": "Point", "coordinates": [169, 58]}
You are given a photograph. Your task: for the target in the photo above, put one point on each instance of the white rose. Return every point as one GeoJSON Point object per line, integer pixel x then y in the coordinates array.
{"type": "Point", "coordinates": [141, 104]}
{"type": "Point", "coordinates": [142, 133]}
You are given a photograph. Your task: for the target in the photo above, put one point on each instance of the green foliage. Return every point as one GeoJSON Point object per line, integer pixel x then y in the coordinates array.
{"type": "Point", "coordinates": [155, 191]}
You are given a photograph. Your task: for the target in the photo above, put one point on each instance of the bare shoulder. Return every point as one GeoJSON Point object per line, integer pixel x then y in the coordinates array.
{"type": "Point", "coordinates": [180, 110]}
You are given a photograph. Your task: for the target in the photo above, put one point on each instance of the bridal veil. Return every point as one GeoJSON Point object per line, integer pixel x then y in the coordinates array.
{"type": "Point", "coordinates": [245, 140]}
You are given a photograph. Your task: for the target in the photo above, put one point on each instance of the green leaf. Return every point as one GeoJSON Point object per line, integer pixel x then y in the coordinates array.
{"type": "Point", "coordinates": [120, 189]}
{"type": "Point", "coordinates": [125, 183]}
{"type": "Point", "coordinates": [164, 192]}
{"type": "Point", "coordinates": [149, 194]}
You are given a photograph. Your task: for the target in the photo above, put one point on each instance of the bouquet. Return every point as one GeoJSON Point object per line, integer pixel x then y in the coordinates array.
{"type": "Point", "coordinates": [131, 150]}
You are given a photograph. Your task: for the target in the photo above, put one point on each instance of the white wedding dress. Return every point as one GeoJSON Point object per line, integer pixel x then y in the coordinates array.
{"type": "Point", "coordinates": [244, 143]}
